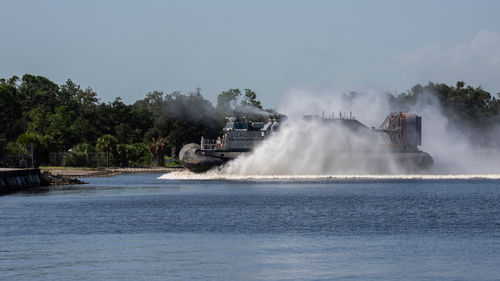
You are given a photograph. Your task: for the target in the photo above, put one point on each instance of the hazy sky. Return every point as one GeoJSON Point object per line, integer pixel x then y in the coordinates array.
{"type": "Point", "coordinates": [128, 48]}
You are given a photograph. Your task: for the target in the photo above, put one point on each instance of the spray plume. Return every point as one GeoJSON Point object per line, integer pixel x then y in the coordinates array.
{"type": "Point", "coordinates": [303, 148]}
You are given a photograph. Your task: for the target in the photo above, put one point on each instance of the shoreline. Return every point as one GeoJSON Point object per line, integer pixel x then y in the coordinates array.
{"type": "Point", "coordinates": [77, 172]}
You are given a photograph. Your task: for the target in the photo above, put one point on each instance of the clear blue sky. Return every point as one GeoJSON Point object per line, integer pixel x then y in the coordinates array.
{"type": "Point", "coordinates": [127, 48]}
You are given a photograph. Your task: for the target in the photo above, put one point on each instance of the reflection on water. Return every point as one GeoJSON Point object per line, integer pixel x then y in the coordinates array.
{"type": "Point", "coordinates": [142, 227]}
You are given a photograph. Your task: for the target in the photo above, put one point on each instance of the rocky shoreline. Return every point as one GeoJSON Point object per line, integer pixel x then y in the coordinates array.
{"type": "Point", "coordinates": [48, 179]}
{"type": "Point", "coordinates": [68, 172]}
{"type": "Point", "coordinates": [38, 180]}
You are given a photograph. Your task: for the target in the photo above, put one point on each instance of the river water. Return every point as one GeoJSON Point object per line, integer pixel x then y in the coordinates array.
{"type": "Point", "coordinates": [140, 227]}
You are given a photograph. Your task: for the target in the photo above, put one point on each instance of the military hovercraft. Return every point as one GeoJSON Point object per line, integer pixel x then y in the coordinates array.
{"type": "Point", "coordinates": [397, 138]}
{"type": "Point", "coordinates": [240, 136]}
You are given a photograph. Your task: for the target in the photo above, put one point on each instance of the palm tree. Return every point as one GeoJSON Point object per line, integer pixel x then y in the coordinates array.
{"type": "Point", "coordinates": [157, 150]}
{"type": "Point", "coordinates": [107, 143]}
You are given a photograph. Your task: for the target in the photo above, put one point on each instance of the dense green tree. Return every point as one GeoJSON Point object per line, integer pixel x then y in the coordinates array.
{"type": "Point", "coordinates": [227, 101]}
{"type": "Point", "coordinates": [11, 117]}
{"type": "Point", "coordinates": [106, 143]}
{"type": "Point", "coordinates": [141, 122]}
{"type": "Point", "coordinates": [62, 130]}
{"type": "Point", "coordinates": [41, 146]}
{"type": "Point", "coordinates": [120, 116]}
{"type": "Point", "coordinates": [250, 99]}
{"type": "Point", "coordinates": [137, 155]}
{"type": "Point", "coordinates": [80, 155]}
{"type": "Point", "coordinates": [154, 103]}
{"type": "Point", "coordinates": [158, 149]}
{"type": "Point", "coordinates": [37, 91]}
{"type": "Point", "coordinates": [463, 104]}
{"type": "Point", "coordinates": [67, 95]}
{"type": "Point", "coordinates": [38, 122]}
{"type": "Point", "coordinates": [86, 97]}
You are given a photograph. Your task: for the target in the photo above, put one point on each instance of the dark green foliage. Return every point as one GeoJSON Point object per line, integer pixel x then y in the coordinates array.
{"type": "Point", "coordinates": [178, 118]}
{"type": "Point", "coordinates": [40, 143]}
{"type": "Point", "coordinates": [227, 101]}
{"type": "Point", "coordinates": [136, 155]}
{"type": "Point", "coordinates": [57, 118]}
{"type": "Point", "coordinates": [250, 99]}
{"type": "Point", "coordinates": [37, 91]}
{"type": "Point", "coordinates": [123, 155]}
{"type": "Point", "coordinates": [464, 106]}
{"type": "Point", "coordinates": [82, 155]}
{"type": "Point", "coordinates": [3, 148]}
{"type": "Point", "coordinates": [11, 117]}
{"type": "Point", "coordinates": [157, 149]}
{"type": "Point", "coordinates": [108, 144]}
{"type": "Point", "coordinates": [231, 102]}
{"type": "Point", "coordinates": [472, 111]}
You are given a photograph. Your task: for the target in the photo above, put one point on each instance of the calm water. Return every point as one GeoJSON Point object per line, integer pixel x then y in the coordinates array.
{"type": "Point", "coordinates": [137, 227]}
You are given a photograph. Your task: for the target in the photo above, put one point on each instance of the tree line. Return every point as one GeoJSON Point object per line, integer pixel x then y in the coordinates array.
{"type": "Point", "coordinates": [464, 105]}
{"type": "Point", "coordinates": [70, 119]}
{"type": "Point", "coordinates": [472, 111]}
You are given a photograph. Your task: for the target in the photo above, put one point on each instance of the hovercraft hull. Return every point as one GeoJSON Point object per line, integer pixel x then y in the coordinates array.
{"type": "Point", "coordinates": [192, 158]}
